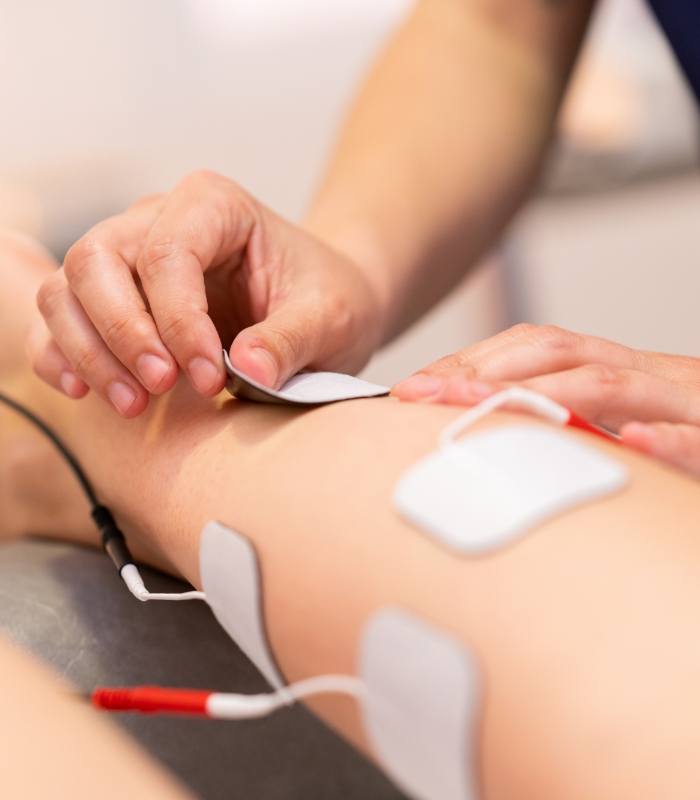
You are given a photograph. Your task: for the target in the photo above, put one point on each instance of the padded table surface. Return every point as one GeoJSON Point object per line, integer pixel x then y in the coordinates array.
{"type": "Point", "coordinates": [67, 606]}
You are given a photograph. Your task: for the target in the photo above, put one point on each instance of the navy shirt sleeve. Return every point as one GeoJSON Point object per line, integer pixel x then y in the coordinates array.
{"type": "Point", "coordinates": [680, 20]}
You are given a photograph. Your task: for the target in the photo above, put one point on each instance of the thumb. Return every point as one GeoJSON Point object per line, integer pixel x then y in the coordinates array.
{"type": "Point", "coordinates": [288, 340]}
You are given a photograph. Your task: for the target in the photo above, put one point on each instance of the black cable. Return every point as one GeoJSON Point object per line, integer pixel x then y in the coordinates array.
{"type": "Point", "coordinates": [113, 540]}
{"type": "Point", "coordinates": [71, 460]}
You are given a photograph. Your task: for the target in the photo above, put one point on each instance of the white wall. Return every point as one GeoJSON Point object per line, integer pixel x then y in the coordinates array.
{"type": "Point", "coordinates": [105, 100]}
{"type": "Point", "coordinates": [109, 100]}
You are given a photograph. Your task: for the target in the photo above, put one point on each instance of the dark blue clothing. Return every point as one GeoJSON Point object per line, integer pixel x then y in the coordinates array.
{"type": "Point", "coordinates": [680, 19]}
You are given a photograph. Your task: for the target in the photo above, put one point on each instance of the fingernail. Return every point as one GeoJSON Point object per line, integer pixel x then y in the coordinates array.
{"type": "Point", "coordinates": [480, 390]}
{"type": "Point", "coordinates": [419, 387]}
{"type": "Point", "coordinates": [264, 366]}
{"type": "Point", "coordinates": [71, 384]}
{"type": "Point", "coordinates": [121, 396]}
{"type": "Point", "coordinates": [205, 375]}
{"type": "Point", "coordinates": [152, 369]}
{"type": "Point", "coordinates": [640, 430]}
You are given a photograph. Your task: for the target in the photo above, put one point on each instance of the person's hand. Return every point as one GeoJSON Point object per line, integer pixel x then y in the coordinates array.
{"type": "Point", "coordinates": [159, 288]}
{"type": "Point", "coordinates": [651, 399]}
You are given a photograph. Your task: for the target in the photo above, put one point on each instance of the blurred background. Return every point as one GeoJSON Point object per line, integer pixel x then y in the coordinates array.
{"type": "Point", "coordinates": [104, 101]}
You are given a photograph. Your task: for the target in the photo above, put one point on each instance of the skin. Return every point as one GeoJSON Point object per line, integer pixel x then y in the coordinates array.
{"type": "Point", "coordinates": [625, 390]}
{"type": "Point", "coordinates": [157, 290]}
{"type": "Point", "coordinates": [584, 630]}
{"type": "Point", "coordinates": [39, 715]}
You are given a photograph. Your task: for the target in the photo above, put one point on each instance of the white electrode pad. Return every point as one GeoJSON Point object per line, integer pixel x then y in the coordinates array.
{"type": "Point", "coordinates": [231, 581]}
{"type": "Point", "coordinates": [304, 389]}
{"type": "Point", "coordinates": [479, 493]}
{"type": "Point", "coordinates": [421, 697]}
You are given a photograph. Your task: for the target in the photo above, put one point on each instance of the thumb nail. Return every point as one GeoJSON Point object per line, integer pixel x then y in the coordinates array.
{"type": "Point", "coordinates": [261, 366]}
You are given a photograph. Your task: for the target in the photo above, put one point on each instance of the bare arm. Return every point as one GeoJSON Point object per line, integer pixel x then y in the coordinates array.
{"type": "Point", "coordinates": [442, 146]}
{"type": "Point", "coordinates": [444, 141]}
{"type": "Point", "coordinates": [584, 630]}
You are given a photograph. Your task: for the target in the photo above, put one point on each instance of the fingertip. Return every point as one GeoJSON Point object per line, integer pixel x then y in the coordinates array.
{"type": "Point", "coordinates": [418, 387]}
{"type": "Point", "coordinates": [207, 378]}
{"type": "Point", "coordinates": [50, 365]}
{"type": "Point", "coordinates": [639, 435]}
{"type": "Point", "coordinates": [72, 385]}
{"type": "Point", "coordinates": [157, 374]}
{"type": "Point", "coordinates": [256, 362]}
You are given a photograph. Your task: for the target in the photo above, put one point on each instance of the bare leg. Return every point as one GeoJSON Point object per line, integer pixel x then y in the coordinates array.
{"type": "Point", "coordinates": [585, 630]}
{"type": "Point", "coordinates": [53, 745]}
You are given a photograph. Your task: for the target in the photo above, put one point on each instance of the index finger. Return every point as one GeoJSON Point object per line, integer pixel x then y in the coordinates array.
{"type": "Point", "coordinates": [99, 271]}
{"type": "Point", "coordinates": [204, 222]}
{"type": "Point", "coordinates": [525, 350]}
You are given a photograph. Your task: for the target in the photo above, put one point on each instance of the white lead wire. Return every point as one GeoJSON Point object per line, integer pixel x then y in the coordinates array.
{"type": "Point", "coordinates": [134, 582]}
{"type": "Point", "coordinates": [222, 705]}
{"type": "Point", "coordinates": [515, 395]}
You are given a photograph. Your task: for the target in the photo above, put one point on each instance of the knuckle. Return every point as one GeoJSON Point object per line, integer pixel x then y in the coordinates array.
{"type": "Point", "coordinates": [607, 380]}
{"type": "Point", "coordinates": [289, 344]}
{"type": "Point", "coordinates": [126, 331]}
{"type": "Point", "coordinates": [155, 255]}
{"type": "Point", "coordinates": [177, 328]}
{"type": "Point", "coordinates": [85, 361]}
{"type": "Point", "coordinates": [545, 337]}
{"type": "Point", "coordinates": [338, 318]}
{"type": "Point", "coordinates": [50, 294]}
{"type": "Point", "coordinates": [81, 258]}
{"type": "Point", "coordinates": [552, 337]}
{"type": "Point", "coordinates": [523, 330]}
{"type": "Point", "coordinates": [202, 178]}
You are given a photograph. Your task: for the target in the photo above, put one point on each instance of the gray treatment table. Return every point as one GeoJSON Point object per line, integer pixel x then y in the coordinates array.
{"type": "Point", "coordinates": [67, 606]}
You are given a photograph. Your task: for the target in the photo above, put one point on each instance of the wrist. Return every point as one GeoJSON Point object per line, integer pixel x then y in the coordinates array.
{"type": "Point", "coordinates": [361, 245]}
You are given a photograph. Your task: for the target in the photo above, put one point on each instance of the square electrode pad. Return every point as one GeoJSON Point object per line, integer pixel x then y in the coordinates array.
{"type": "Point", "coordinates": [483, 491]}
{"type": "Point", "coordinates": [304, 389]}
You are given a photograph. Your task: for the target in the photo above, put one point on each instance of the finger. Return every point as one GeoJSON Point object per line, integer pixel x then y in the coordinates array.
{"type": "Point", "coordinates": [50, 364]}
{"type": "Point", "coordinates": [206, 221]}
{"type": "Point", "coordinates": [290, 338]}
{"type": "Point", "coordinates": [525, 351]}
{"type": "Point", "coordinates": [89, 357]}
{"type": "Point", "coordinates": [451, 389]}
{"type": "Point", "coordinates": [675, 444]}
{"type": "Point", "coordinates": [101, 278]}
{"type": "Point", "coordinates": [610, 397]}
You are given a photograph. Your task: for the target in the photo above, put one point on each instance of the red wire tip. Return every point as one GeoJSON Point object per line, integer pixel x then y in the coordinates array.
{"type": "Point", "coordinates": [151, 700]}
{"type": "Point", "coordinates": [583, 424]}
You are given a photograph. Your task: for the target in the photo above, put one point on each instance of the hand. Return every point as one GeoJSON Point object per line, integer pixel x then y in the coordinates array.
{"type": "Point", "coordinates": [651, 399]}
{"type": "Point", "coordinates": [157, 289]}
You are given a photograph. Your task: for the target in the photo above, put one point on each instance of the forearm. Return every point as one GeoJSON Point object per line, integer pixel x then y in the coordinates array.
{"type": "Point", "coordinates": [571, 638]}
{"type": "Point", "coordinates": [444, 142]}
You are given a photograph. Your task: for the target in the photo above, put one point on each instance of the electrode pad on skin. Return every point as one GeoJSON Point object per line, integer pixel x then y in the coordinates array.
{"type": "Point", "coordinates": [231, 581]}
{"type": "Point", "coordinates": [304, 389]}
{"type": "Point", "coordinates": [421, 697]}
{"type": "Point", "coordinates": [481, 492]}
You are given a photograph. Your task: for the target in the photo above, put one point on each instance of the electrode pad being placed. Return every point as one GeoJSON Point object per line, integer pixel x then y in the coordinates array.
{"type": "Point", "coordinates": [304, 389]}
{"type": "Point", "coordinates": [481, 492]}
{"type": "Point", "coordinates": [231, 582]}
{"type": "Point", "coordinates": [421, 695]}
